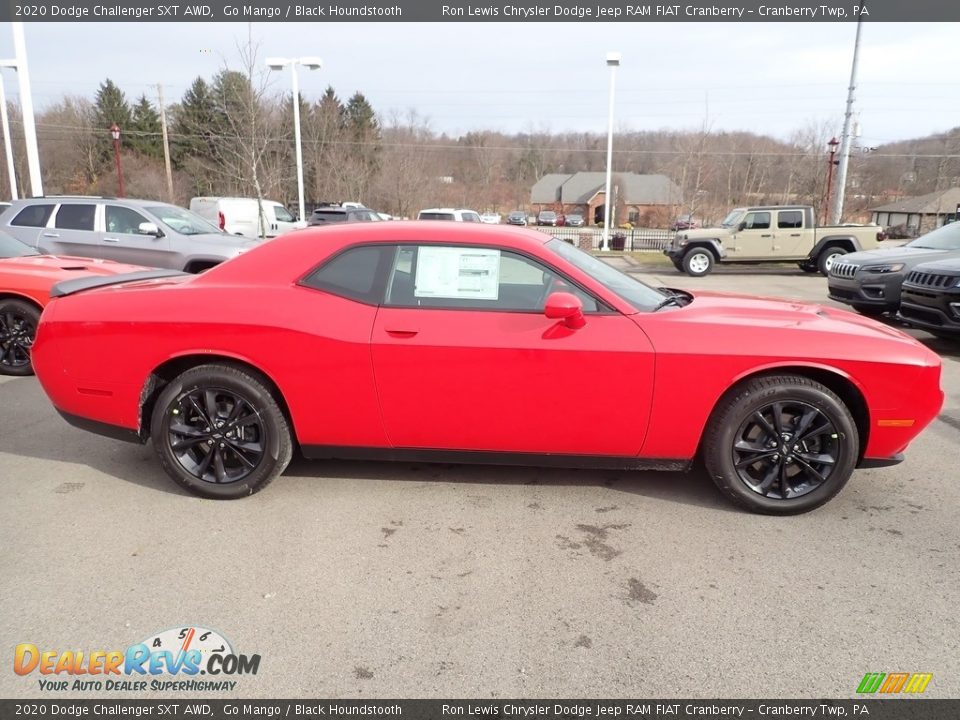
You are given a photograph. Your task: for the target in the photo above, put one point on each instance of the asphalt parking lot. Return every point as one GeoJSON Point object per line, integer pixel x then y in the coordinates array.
{"type": "Point", "coordinates": [355, 579]}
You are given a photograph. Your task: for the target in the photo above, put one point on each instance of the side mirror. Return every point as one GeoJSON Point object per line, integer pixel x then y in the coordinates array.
{"type": "Point", "coordinates": [149, 228]}
{"type": "Point", "coordinates": [741, 227]}
{"type": "Point", "coordinates": [567, 307]}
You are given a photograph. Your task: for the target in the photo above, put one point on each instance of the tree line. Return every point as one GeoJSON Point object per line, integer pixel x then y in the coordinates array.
{"type": "Point", "coordinates": [230, 135]}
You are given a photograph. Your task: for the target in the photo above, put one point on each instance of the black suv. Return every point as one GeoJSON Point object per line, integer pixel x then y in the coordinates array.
{"type": "Point", "coordinates": [331, 213]}
{"type": "Point", "coordinates": [931, 298]}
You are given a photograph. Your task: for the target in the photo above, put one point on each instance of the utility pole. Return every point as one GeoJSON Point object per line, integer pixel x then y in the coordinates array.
{"type": "Point", "coordinates": [836, 212]}
{"type": "Point", "coordinates": [7, 145]}
{"type": "Point", "coordinates": [166, 143]}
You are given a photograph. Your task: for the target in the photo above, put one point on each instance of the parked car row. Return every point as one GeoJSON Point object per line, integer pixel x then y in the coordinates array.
{"type": "Point", "coordinates": [919, 281]}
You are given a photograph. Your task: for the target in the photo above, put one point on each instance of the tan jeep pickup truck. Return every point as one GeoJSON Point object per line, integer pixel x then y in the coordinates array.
{"type": "Point", "coordinates": [776, 233]}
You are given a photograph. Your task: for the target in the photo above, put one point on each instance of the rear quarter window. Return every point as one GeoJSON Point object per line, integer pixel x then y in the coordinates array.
{"type": "Point", "coordinates": [436, 216]}
{"type": "Point", "coordinates": [33, 216]}
{"type": "Point", "coordinates": [356, 273]}
{"type": "Point", "coordinates": [76, 217]}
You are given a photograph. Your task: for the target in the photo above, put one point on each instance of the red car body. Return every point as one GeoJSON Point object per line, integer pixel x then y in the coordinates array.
{"type": "Point", "coordinates": [31, 277]}
{"type": "Point", "coordinates": [626, 388]}
{"type": "Point", "coordinates": [25, 282]}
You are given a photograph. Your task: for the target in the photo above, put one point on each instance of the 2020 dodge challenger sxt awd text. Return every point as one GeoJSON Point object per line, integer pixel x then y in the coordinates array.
{"type": "Point", "coordinates": [465, 342]}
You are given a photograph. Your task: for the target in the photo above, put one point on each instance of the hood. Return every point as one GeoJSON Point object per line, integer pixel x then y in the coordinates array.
{"type": "Point", "coordinates": [766, 314]}
{"type": "Point", "coordinates": [705, 233]}
{"type": "Point", "coordinates": [908, 255]}
{"type": "Point", "coordinates": [949, 266]}
{"type": "Point", "coordinates": [63, 266]}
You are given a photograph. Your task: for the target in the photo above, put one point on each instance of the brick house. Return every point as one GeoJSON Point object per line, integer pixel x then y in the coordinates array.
{"type": "Point", "coordinates": [645, 199]}
{"type": "Point", "coordinates": [922, 213]}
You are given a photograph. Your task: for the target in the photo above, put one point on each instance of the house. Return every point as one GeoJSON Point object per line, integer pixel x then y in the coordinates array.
{"type": "Point", "coordinates": [921, 214]}
{"type": "Point", "coordinates": [638, 197]}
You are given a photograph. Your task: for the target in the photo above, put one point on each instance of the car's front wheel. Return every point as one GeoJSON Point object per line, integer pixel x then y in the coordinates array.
{"type": "Point", "coordinates": [828, 257]}
{"type": "Point", "coordinates": [18, 327]}
{"type": "Point", "coordinates": [697, 262]}
{"type": "Point", "coordinates": [220, 433]}
{"type": "Point", "coordinates": [781, 445]}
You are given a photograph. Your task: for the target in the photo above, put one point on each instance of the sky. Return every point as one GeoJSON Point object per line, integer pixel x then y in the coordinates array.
{"type": "Point", "coordinates": [770, 78]}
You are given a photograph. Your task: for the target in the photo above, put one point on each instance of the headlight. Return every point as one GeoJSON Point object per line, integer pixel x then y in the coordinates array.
{"type": "Point", "coordinates": [889, 268]}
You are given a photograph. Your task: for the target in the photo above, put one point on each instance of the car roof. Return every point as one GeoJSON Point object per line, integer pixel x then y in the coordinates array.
{"type": "Point", "coordinates": [271, 261]}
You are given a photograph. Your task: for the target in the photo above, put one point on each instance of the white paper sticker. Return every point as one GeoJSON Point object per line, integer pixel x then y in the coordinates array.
{"type": "Point", "coordinates": [444, 272]}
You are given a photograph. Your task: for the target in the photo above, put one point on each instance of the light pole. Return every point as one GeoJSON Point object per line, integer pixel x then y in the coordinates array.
{"type": "Point", "coordinates": [311, 63]}
{"type": "Point", "coordinates": [832, 145]}
{"type": "Point", "coordinates": [7, 145]}
{"type": "Point", "coordinates": [115, 134]}
{"type": "Point", "coordinates": [26, 109]}
{"type": "Point", "coordinates": [836, 209]}
{"type": "Point", "coordinates": [613, 62]}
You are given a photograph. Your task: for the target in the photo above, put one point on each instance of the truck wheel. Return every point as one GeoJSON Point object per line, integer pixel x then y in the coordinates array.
{"type": "Point", "coordinates": [808, 267]}
{"type": "Point", "coordinates": [677, 264]}
{"type": "Point", "coordinates": [698, 262]}
{"type": "Point", "coordinates": [828, 257]}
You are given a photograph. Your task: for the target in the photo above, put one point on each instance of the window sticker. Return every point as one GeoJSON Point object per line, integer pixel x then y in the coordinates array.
{"type": "Point", "coordinates": [458, 273]}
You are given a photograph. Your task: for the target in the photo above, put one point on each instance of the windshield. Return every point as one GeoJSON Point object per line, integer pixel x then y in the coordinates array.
{"type": "Point", "coordinates": [182, 221]}
{"type": "Point", "coordinates": [733, 219]}
{"type": "Point", "coordinates": [11, 247]}
{"type": "Point", "coordinates": [642, 297]}
{"type": "Point", "coordinates": [944, 238]}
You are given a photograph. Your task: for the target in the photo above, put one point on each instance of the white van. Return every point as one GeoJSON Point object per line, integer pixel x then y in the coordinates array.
{"type": "Point", "coordinates": [240, 216]}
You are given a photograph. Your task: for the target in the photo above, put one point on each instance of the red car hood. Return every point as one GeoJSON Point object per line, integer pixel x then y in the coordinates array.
{"type": "Point", "coordinates": [766, 312]}
{"type": "Point", "coordinates": [62, 267]}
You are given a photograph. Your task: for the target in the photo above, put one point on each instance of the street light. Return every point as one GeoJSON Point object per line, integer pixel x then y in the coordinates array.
{"type": "Point", "coordinates": [832, 146]}
{"type": "Point", "coordinates": [613, 62]}
{"type": "Point", "coordinates": [311, 63]}
{"type": "Point", "coordinates": [5, 121]}
{"type": "Point", "coordinates": [115, 134]}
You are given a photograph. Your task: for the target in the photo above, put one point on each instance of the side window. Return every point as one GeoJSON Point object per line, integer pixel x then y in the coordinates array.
{"type": "Point", "coordinates": [790, 219]}
{"type": "Point", "coordinates": [282, 214]}
{"type": "Point", "coordinates": [471, 217]}
{"type": "Point", "coordinates": [476, 278]}
{"type": "Point", "coordinates": [33, 216]}
{"type": "Point", "coordinates": [76, 217]}
{"type": "Point", "coordinates": [122, 220]}
{"type": "Point", "coordinates": [353, 274]}
{"type": "Point", "coordinates": [757, 221]}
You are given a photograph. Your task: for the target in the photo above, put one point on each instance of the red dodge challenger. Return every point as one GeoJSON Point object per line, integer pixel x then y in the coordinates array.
{"type": "Point", "coordinates": [25, 281]}
{"type": "Point", "coordinates": [461, 342]}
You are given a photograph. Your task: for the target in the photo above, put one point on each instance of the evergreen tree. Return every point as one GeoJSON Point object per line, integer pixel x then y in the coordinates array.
{"type": "Point", "coordinates": [110, 107]}
{"type": "Point", "coordinates": [194, 122]}
{"type": "Point", "coordinates": [146, 136]}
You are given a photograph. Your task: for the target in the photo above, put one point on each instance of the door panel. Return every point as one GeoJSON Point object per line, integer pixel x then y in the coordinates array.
{"type": "Point", "coordinates": [512, 381]}
{"type": "Point", "coordinates": [791, 238]}
{"type": "Point", "coordinates": [122, 242]}
{"type": "Point", "coordinates": [756, 240]}
{"type": "Point", "coordinates": [72, 231]}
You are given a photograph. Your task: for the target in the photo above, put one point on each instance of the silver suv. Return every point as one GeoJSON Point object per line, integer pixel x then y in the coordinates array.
{"type": "Point", "coordinates": [139, 232]}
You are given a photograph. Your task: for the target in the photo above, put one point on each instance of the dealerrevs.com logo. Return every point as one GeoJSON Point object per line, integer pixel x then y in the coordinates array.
{"type": "Point", "coordinates": [184, 653]}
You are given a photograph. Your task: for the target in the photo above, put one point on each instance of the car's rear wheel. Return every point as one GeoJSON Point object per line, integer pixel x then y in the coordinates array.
{"type": "Point", "coordinates": [18, 327]}
{"type": "Point", "coordinates": [828, 257]}
{"type": "Point", "coordinates": [781, 445]}
{"type": "Point", "coordinates": [697, 262]}
{"type": "Point", "coordinates": [220, 433]}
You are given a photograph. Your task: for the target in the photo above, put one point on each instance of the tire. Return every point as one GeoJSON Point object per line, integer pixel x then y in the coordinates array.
{"type": "Point", "coordinates": [677, 264]}
{"type": "Point", "coordinates": [827, 257]}
{"type": "Point", "coordinates": [698, 262]}
{"type": "Point", "coordinates": [18, 328]}
{"type": "Point", "coordinates": [250, 456]}
{"type": "Point", "coordinates": [808, 268]}
{"type": "Point", "coordinates": [781, 480]}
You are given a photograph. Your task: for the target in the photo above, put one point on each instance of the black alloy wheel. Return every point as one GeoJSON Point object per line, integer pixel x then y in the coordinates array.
{"type": "Point", "coordinates": [781, 444]}
{"type": "Point", "coordinates": [18, 328]}
{"type": "Point", "coordinates": [786, 449]}
{"type": "Point", "coordinates": [220, 433]}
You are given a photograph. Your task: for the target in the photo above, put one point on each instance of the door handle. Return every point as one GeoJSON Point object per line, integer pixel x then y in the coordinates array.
{"type": "Point", "coordinates": [49, 234]}
{"type": "Point", "coordinates": [109, 239]}
{"type": "Point", "coordinates": [794, 234]}
{"type": "Point", "coordinates": [767, 235]}
{"type": "Point", "coordinates": [402, 334]}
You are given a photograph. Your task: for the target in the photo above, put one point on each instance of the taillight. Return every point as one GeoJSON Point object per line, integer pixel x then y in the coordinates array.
{"type": "Point", "coordinates": [223, 220]}
{"type": "Point", "coordinates": [881, 236]}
